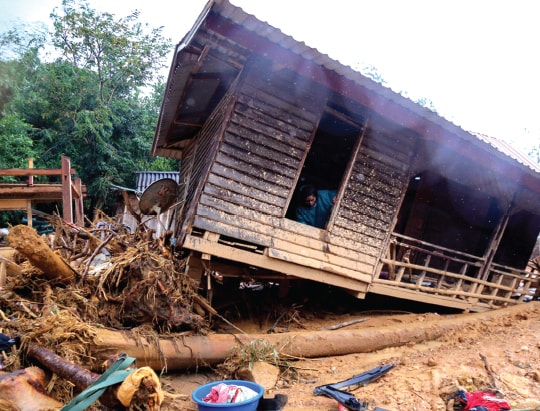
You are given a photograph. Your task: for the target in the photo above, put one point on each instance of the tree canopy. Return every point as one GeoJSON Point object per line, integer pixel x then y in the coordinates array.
{"type": "Point", "coordinates": [94, 97]}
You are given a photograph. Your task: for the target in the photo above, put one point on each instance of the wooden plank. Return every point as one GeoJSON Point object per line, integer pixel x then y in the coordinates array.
{"type": "Point", "coordinates": [308, 261]}
{"type": "Point", "coordinates": [246, 195]}
{"type": "Point", "coordinates": [311, 258]}
{"type": "Point", "coordinates": [13, 204]}
{"type": "Point", "coordinates": [67, 191]}
{"type": "Point", "coordinates": [212, 237]}
{"type": "Point", "coordinates": [263, 261]}
{"type": "Point", "coordinates": [252, 164]}
{"type": "Point", "coordinates": [220, 189]}
{"type": "Point", "coordinates": [414, 295]}
{"type": "Point", "coordinates": [28, 172]}
{"type": "Point", "coordinates": [283, 235]}
{"type": "Point", "coordinates": [35, 192]}
{"type": "Point", "coordinates": [240, 177]}
{"type": "Point", "coordinates": [278, 227]}
{"type": "Point", "coordinates": [278, 136]}
{"type": "Point", "coordinates": [289, 157]}
{"type": "Point", "coordinates": [270, 100]}
{"type": "Point", "coordinates": [288, 147]}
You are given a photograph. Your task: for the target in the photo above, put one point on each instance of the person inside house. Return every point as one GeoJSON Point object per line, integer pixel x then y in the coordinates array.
{"type": "Point", "coordinates": [315, 206]}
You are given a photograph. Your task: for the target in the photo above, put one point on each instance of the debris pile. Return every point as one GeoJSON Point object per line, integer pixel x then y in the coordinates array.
{"type": "Point", "coordinates": [62, 295]}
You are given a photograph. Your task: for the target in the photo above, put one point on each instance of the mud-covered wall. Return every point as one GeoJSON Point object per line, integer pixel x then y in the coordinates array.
{"type": "Point", "coordinates": [253, 174]}
{"type": "Point", "coordinates": [197, 158]}
{"type": "Point", "coordinates": [373, 195]}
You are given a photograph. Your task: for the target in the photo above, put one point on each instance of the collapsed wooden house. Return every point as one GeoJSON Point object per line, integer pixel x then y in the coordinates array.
{"type": "Point", "coordinates": [424, 209]}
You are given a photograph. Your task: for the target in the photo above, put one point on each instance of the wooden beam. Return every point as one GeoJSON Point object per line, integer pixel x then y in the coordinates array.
{"type": "Point", "coordinates": [27, 172]}
{"type": "Point", "coordinates": [41, 192]}
{"type": "Point", "coordinates": [12, 204]}
{"type": "Point", "coordinates": [280, 266]}
{"type": "Point", "coordinates": [67, 195]}
{"type": "Point", "coordinates": [79, 206]}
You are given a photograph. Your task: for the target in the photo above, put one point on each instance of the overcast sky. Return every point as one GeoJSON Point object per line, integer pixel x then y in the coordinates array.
{"type": "Point", "coordinates": [477, 61]}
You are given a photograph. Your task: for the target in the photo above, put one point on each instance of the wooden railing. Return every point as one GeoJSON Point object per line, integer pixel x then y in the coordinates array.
{"type": "Point", "coordinates": [427, 268]}
{"type": "Point", "coordinates": [20, 196]}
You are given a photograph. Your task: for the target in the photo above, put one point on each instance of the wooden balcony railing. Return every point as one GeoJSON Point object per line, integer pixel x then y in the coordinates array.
{"type": "Point", "coordinates": [427, 268]}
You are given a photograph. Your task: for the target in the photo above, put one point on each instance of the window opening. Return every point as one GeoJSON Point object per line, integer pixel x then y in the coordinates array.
{"type": "Point", "coordinates": [323, 169]}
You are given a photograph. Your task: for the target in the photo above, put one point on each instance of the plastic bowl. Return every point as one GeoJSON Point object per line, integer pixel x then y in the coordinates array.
{"type": "Point", "coordinates": [249, 405]}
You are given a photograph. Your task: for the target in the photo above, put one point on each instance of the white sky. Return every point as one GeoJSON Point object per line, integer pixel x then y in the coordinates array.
{"type": "Point", "coordinates": [477, 61]}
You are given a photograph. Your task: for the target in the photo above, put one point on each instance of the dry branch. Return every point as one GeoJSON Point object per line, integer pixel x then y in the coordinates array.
{"type": "Point", "coordinates": [69, 371]}
{"type": "Point", "coordinates": [141, 386]}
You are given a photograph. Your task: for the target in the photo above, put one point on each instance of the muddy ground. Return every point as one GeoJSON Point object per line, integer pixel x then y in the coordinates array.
{"type": "Point", "coordinates": [424, 374]}
{"type": "Point", "coordinates": [500, 354]}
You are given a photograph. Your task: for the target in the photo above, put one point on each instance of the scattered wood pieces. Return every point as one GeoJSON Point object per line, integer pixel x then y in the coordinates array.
{"type": "Point", "coordinates": [344, 324]}
{"type": "Point", "coordinates": [491, 375]}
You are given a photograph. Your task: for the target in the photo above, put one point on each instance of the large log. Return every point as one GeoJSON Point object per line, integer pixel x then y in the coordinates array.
{"type": "Point", "coordinates": [142, 386]}
{"type": "Point", "coordinates": [189, 351]}
{"type": "Point", "coordinates": [74, 373]}
{"type": "Point", "coordinates": [24, 390]}
{"type": "Point", "coordinates": [27, 242]}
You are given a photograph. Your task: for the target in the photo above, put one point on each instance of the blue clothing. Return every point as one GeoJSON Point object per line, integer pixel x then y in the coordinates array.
{"type": "Point", "coordinates": [319, 214]}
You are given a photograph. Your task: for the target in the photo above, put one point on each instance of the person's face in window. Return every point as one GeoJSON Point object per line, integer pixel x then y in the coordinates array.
{"type": "Point", "coordinates": [310, 201]}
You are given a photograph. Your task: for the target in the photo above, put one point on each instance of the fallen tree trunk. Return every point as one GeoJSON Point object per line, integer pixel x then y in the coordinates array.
{"type": "Point", "coordinates": [24, 390]}
{"type": "Point", "coordinates": [74, 373]}
{"type": "Point", "coordinates": [27, 242]}
{"type": "Point", "coordinates": [188, 351]}
{"type": "Point", "coordinates": [141, 386]}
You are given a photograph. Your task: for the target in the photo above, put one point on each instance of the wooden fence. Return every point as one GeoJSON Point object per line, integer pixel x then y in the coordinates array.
{"type": "Point", "coordinates": [17, 196]}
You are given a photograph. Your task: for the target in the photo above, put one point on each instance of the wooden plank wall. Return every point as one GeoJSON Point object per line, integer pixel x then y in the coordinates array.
{"type": "Point", "coordinates": [374, 191]}
{"type": "Point", "coordinates": [196, 160]}
{"type": "Point", "coordinates": [256, 167]}
{"type": "Point", "coordinates": [257, 163]}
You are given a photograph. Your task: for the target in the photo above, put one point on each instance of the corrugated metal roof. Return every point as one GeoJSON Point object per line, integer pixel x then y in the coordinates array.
{"type": "Point", "coordinates": [264, 29]}
{"type": "Point", "coordinates": [509, 150]}
{"type": "Point", "coordinates": [145, 178]}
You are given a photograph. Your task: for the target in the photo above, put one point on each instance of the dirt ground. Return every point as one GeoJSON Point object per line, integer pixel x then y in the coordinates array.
{"type": "Point", "coordinates": [424, 373]}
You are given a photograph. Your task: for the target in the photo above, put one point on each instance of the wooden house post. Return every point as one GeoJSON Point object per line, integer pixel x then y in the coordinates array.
{"type": "Point", "coordinates": [66, 190]}
{"type": "Point", "coordinates": [77, 186]}
{"type": "Point", "coordinates": [29, 202]}
{"type": "Point", "coordinates": [494, 245]}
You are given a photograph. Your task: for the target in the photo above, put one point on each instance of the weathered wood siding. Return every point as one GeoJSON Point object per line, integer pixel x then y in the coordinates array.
{"type": "Point", "coordinates": [196, 160]}
{"type": "Point", "coordinates": [374, 191]}
{"type": "Point", "coordinates": [255, 169]}
{"type": "Point", "coordinates": [257, 163]}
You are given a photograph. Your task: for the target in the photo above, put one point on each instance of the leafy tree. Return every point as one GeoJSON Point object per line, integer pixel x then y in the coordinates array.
{"type": "Point", "coordinates": [88, 103]}
{"type": "Point", "coordinates": [96, 102]}
{"type": "Point", "coordinates": [120, 52]}
{"type": "Point", "coordinates": [15, 144]}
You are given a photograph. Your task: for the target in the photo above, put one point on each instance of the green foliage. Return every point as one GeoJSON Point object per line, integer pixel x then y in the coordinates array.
{"type": "Point", "coordinates": [15, 144]}
{"type": "Point", "coordinates": [122, 54]}
{"type": "Point", "coordinates": [87, 103]}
